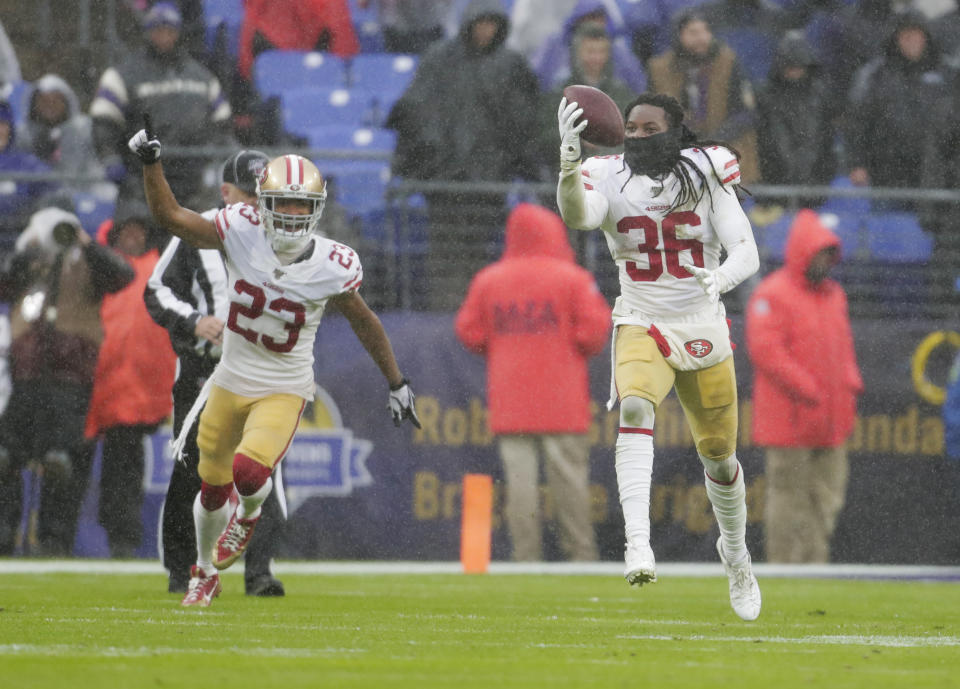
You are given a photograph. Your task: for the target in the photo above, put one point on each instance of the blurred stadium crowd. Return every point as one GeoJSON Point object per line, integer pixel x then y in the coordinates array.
{"type": "Point", "coordinates": [428, 136]}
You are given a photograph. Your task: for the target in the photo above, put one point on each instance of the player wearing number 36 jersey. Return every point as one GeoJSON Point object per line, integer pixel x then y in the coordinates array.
{"type": "Point", "coordinates": [281, 278]}
{"type": "Point", "coordinates": [666, 208]}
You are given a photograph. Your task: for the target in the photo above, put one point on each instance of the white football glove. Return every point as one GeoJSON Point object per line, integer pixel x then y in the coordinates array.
{"type": "Point", "coordinates": [569, 132]}
{"type": "Point", "coordinates": [401, 404]}
{"type": "Point", "coordinates": [145, 148]}
{"type": "Point", "coordinates": [708, 280]}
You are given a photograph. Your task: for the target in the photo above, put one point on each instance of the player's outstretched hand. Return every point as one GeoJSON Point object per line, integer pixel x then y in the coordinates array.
{"type": "Point", "coordinates": [146, 148]}
{"type": "Point", "coordinates": [401, 404]}
{"type": "Point", "coordinates": [707, 280]}
{"type": "Point", "coordinates": [570, 131]}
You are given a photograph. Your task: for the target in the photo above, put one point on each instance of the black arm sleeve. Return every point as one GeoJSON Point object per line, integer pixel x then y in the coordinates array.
{"type": "Point", "coordinates": [108, 271]}
{"type": "Point", "coordinates": [168, 296]}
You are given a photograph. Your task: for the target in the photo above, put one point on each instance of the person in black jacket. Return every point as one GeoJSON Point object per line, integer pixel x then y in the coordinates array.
{"type": "Point", "coordinates": [795, 119]}
{"type": "Point", "coordinates": [187, 295]}
{"type": "Point", "coordinates": [469, 115]}
{"type": "Point", "coordinates": [901, 107]}
{"type": "Point", "coordinates": [184, 99]}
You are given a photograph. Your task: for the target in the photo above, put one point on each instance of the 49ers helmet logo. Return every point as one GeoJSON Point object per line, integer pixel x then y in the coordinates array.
{"type": "Point", "coordinates": [698, 348]}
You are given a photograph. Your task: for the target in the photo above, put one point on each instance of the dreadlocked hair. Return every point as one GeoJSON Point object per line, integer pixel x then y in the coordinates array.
{"type": "Point", "coordinates": [684, 169]}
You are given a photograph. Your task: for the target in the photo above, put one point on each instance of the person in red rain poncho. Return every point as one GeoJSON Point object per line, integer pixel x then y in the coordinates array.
{"type": "Point", "coordinates": [132, 387]}
{"type": "Point", "coordinates": [805, 385]}
{"type": "Point", "coordinates": [537, 317]}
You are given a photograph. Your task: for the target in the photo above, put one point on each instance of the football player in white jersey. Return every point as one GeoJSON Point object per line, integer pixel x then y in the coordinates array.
{"type": "Point", "coordinates": [666, 207]}
{"type": "Point", "coordinates": [281, 277]}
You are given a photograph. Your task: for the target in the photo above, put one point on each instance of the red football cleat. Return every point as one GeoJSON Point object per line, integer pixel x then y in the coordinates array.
{"type": "Point", "coordinates": [233, 541]}
{"type": "Point", "coordinates": [202, 589]}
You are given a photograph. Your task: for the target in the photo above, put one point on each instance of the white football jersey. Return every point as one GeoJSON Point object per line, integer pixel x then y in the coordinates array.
{"type": "Point", "coordinates": [651, 244]}
{"type": "Point", "coordinates": [275, 309]}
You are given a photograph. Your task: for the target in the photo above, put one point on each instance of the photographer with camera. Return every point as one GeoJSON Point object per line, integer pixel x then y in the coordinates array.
{"type": "Point", "coordinates": [54, 281]}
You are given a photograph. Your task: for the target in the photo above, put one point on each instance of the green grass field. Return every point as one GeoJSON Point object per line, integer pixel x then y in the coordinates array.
{"type": "Point", "coordinates": [490, 631]}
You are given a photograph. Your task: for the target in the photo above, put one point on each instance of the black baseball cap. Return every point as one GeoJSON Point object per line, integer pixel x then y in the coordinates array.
{"type": "Point", "coordinates": [243, 168]}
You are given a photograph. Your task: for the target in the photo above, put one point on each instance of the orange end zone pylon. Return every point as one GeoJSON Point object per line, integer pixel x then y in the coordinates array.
{"type": "Point", "coordinates": [476, 526]}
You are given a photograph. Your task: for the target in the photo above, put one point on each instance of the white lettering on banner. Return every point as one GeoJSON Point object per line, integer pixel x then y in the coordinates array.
{"type": "Point", "coordinates": [165, 88]}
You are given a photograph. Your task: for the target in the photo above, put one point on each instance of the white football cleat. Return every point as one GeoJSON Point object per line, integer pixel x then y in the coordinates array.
{"type": "Point", "coordinates": [744, 589]}
{"type": "Point", "coordinates": [641, 567]}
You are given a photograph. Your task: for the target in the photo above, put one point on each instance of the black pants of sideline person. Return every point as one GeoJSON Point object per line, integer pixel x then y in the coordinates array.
{"type": "Point", "coordinates": [42, 429]}
{"type": "Point", "coordinates": [179, 538]}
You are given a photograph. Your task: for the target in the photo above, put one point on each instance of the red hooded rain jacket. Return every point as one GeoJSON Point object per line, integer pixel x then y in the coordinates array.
{"type": "Point", "coordinates": [805, 374]}
{"type": "Point", "coordinates": [537, 317]}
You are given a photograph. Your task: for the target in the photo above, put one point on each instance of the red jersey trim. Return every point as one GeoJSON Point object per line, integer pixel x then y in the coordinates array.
{"type": "Point", "coordinates": [221, 230]}
{"type": "Point", "coordinates": [586, 173]}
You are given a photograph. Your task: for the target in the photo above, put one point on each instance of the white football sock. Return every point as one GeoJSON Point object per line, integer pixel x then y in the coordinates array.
{"type": "Point", "coordinates": [209, 526]}
{"type": "Point", "coordinates": [249, 507]}
{"type": "Point", "coordinates": [634, 468]}
{"type": "Point", "coordinates": [730, 508]}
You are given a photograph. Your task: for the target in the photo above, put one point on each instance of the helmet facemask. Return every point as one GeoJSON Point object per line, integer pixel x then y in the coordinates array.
{"type": "Point", "coordinates": [289, 231]}
{"type": "Point", "coordinates": [284, 179]}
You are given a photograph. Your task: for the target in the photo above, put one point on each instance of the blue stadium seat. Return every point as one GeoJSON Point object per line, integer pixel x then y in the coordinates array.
{"type": "Point", "coordinates": [223, 8]}
{"type": "Point", "coordinates": [897, 237]}
{"type": "Point", "coordinates": [92, 210]}
{"type": "Point", "coordinates": [341, 137]}
{"type": "Point", "coordinates": [392, 71]}
{"type": "Point", "coordinates": [17, 98]}
{"type": "Point", "coordinates": [366, 24]}
{"type": "Point", "coordinates": [839, 204]}
{"type": "Point", "coordinates": [304, 109]}
{"type": "Point", "coordinates": [670, 8]}
{"type": "Point", "coordinates": [753, 47]}
{"type": "Point", "coordinates": [229, 15]}
{"type": "Point", "coordinates": [359, 186]}
{"type": "Point", "coordinates": [772, 238]}
{"type": "Point", "coordinates": [406, 222]}
{"type": "Point", "coordinates": [849, 227]}
{"type": "Point", "coordinates": [277, 71]}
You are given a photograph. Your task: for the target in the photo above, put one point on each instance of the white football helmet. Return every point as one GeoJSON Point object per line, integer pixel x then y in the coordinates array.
{"type": "Point", "coordinates": [284, 178]}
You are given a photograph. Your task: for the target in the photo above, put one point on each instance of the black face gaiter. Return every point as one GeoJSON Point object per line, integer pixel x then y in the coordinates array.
{"type": "Point", "coordinates": [653, 155]}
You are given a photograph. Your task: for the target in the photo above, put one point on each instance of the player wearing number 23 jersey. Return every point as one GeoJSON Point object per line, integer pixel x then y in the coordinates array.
{"type": "Point", "coordinates": [281, 277]}
{"type": "Point", "coordinates": [667, 207]}
{"type": "Point", "coordinates": [275, 308]}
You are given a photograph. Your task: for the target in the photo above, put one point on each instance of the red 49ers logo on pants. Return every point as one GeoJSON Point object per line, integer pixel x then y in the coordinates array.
{"type": "Point", "coordinates": [698, 348]}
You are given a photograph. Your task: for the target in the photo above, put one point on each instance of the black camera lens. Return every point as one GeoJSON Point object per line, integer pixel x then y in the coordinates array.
{"type": "Point", "coordinates": [65, 234]}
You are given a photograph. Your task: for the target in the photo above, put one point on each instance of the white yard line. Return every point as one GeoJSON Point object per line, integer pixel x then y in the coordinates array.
{"type": "Point", "coordinates": [86, 651]}
{"type": "Point", "coordinates": [824, 639]}
{"type": "Point", "coordinates": [668, 569]}
{"type": "Point", "coordinates": [872, 641]}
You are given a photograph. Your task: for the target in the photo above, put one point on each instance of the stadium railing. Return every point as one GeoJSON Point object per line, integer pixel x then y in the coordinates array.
{"type": "Point", "coordinates": [891, 267]}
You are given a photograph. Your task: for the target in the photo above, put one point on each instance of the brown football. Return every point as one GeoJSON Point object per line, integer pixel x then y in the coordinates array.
{"type": "Point", "coordinates": [604, 119]}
